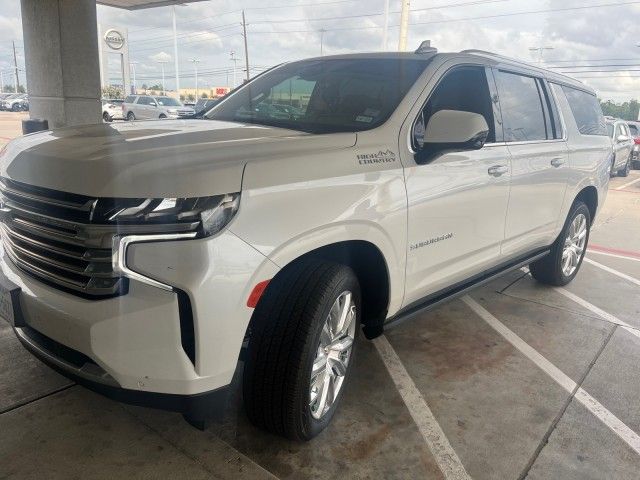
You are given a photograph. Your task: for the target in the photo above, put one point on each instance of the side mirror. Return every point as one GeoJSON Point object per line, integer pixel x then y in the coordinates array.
{"type": "Point", "coordinates": [449, 131]}
{"type": "Point", "coordinates": [622, 138]}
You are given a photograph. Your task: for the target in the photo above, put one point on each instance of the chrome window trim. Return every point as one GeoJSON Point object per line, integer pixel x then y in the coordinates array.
{"type": "Point", "coordinates": [119, 258]}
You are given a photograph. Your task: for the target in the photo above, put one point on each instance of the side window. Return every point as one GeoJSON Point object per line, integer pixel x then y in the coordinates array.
{"type": "Point", "coordinates": [464, 89]}
{"type": "Point", "coordinates": [522, 108]}
{"type": "Point", "coordinates": [144, 100]}
{"type": "Point", "coordinates": [634, 130]}
{"type": "Point", "coordinates": [129, 99]}
{"type": "Point", "coordinates": [586, 111]}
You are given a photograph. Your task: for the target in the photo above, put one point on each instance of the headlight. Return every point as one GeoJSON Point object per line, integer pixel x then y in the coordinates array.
{"type": "Point", "coordinates": [204, 215]}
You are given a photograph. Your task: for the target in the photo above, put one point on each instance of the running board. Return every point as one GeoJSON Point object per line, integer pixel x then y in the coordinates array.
{"type": "Point", "coordinates": [436, 299]}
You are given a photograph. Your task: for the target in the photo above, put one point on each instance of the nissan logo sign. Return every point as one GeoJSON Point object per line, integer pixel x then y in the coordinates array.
{"type": "Point", "coordinates": [114, 39]}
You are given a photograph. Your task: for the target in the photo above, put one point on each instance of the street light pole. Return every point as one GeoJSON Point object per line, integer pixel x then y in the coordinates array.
{"type": "Point", "coordinates": [162, 62]}
{"type": "Point", "coordinates": [322, 30]}
{"type": "Point", "coordinates": [386, 25]}
{"type": "Point", "coordinates": [175, 51]}
{"type": "Point", "coordinates": [540, 51]}
{"type": "Point", "coordinates": [195, 62]}
{"type": "Point", "coordinates": [235, 61]}
{"type": "Point", "coordinates": [246, 46]}
{"type": "Point", "coordinates": [135, 84]}
{"type": "Point", "coordinates": [404, 25]}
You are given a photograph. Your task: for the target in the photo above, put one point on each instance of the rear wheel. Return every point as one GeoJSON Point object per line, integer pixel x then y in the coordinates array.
{"type": "Point", "coordinates": [106, 117]}
{"type": "Point", "coordinates": [563, 262]}
{"type": "Point", "coordinates": [162, 116]}
{"type": "Point", "coordinates": [624, 172]}
{"type": "Point", "coordinates": [301, 348]}
{"type": "Point", "coordinates": [131, 117]}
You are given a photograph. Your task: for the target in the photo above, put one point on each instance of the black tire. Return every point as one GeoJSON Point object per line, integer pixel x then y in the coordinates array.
{"type": "Point", "coordinates": [624, 171]}
{"type": "Point", "coordinates": [548, 270]}
{"type": "Point", "coordinates": [131, 116]}
{"type": "Point", "coordinates": [162, 116]}
{"type": "Point", "coordinates": [285, 339]}
{"type": "Point", "coordinates": [612, 170]}
{"type": "Point", "coordinates": [106, 117]}
{"type": "Point", "coordinates": [15, 107]}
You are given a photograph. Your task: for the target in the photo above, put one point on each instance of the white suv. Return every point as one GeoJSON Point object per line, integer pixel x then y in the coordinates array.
{"type": "Point", "coordinates": [146, 260]}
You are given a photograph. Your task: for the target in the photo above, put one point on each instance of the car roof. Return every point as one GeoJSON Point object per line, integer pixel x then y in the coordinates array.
{"type": "Point", "coordinates": [487, 58]}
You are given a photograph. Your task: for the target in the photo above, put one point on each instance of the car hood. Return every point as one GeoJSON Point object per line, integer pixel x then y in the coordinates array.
{"type": "Point", "coordinates": [181, 158]}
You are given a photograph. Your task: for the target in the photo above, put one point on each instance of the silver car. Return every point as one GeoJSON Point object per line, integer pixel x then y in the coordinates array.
{"type": "Point", "coordinates": [148, 107]}
{"type": "Point", "coordinates": [634, 128]}
{"type": "Point", "coordinates": [622, 146]}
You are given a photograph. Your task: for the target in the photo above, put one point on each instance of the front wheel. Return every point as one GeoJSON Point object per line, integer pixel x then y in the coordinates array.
{"type": "Point", "coordinates": [106, 117]}
{"type": "Point", "coordinates": [563, 262]}
{"type": "Point", "coordinates": [301, 348]}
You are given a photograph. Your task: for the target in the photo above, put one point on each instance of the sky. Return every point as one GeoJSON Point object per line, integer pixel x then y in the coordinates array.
{"type": "Point", "coordinates": [595, 41]}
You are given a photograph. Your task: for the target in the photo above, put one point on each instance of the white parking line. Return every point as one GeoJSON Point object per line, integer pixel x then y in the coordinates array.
{"type": "Point", "coordinates": [598, 311]}
{"type": "Point", "coordinates": [614, 255]}
{"type": "Point", "coordinates": [632, 182]}
{"type": "Point", "coordinates": [445, 456]}
{"type": "Point", "coordinates": [614, 272]}
{"type": "Point", "coordinates": [596, 408]}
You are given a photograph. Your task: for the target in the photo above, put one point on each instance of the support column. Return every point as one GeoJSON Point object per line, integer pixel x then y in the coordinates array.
{"type": "Point", "coordinates": [61, 56]}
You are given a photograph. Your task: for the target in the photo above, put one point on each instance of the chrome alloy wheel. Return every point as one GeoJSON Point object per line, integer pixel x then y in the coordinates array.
{"type": "Point", "coordinates": [574, 245]}
{"type": "Point", "coordinates": [333, 354]}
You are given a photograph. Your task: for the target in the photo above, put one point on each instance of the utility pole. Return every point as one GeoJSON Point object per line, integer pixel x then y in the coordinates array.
{"type": "Point", "coordinates": [175, 52]}
{"type": "Point", "coordinates": [162, 62]}
{"type": "Point", "coordinates": [246, 48]}
{"type": "Point", "coordinates": [195, 62]}
{"type": "Point", "coordinates": [322, 30]}
{"type": "Point", "coordinates": [1, 82]}
{"type": "Point", "coordinates": [404, 25]}
{"type": "Point", "coordinates": [15, 66]}
{"type": "Point", "coordinates": [540, 50]}
{"type": "Point", "coordinates": [235, 63]}
{"type": "Point", "coordinates": [386, 25]}
{"type": "Point", "coordinates": [135, 84]}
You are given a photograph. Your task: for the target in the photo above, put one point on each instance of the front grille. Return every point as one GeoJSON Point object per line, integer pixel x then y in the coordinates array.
{"type": "Point", "coordinates": [49, 235]}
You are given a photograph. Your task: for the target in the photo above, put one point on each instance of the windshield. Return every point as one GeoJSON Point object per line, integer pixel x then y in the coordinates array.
{"type": "Point", "coordinates": [334, 95]}
{"type": "Point", "coordinates": [168, 102]}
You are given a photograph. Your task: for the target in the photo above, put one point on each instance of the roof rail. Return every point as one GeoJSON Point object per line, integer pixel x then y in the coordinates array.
{"type": "Point", "coordinates": [500, 57]}
{"type": "Point", "coordinates": [497, 56]}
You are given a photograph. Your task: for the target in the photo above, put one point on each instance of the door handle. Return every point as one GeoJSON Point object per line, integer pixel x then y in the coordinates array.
{"type": "Point", "coordinates": [557, 162]}
{"type": "Point", "coordinates": [498, 170]}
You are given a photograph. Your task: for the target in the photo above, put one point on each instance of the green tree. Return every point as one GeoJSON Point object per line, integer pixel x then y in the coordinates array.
{"type": "Point", "coordinates": [191, 97]}
{"type": "Point", "coordinates": [204, 95]}
{"type": "Point", "coordinates": [112, 92]}
{"type": "Point", "coordinates": [626, 110]}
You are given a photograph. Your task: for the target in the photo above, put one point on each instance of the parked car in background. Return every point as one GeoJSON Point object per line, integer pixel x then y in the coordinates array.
{"type": "Point", "coordinates": [634, 128]}
{"type": "Point", "coordinates": [622, 145]}
{"type": "Point", "coordinates": [15, 103]}
{"type": "Point", "coordinates": [148, 107]}
{"type": "Point", "coordinates": [153, 258]}
{"type": "Point", "coordinates": [112, 110]}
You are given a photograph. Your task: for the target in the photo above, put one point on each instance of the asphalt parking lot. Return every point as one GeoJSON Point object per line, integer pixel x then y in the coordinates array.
{"type": "Point", "coordinates": [515, 380]}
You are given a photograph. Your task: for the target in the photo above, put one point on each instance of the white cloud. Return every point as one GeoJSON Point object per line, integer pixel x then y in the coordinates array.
{"type": "Point", "coordinates": [209, 30]}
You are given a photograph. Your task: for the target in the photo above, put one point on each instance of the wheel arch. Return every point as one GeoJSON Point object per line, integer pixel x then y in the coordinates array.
{"type": "Point", "coordinates": [370, 267]}
{"type": "Point", "coordinates": [589, 195]}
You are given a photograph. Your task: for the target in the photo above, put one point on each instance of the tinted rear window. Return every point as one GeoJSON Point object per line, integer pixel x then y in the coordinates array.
{"type": "Point", "coordinates": [522, 108]}
{"type": "Point", "coordinates": [586, 111]}
{"type": "Point", "coordinates": [130, 99]}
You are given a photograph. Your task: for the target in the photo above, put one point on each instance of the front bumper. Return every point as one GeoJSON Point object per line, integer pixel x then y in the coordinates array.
{"type": "Point", "coordinates": [132, 345]}
{"type": "Point", "coordinates": [86, 373]}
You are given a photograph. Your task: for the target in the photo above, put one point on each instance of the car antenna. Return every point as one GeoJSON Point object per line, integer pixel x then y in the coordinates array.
{"type": "Point", "coordinates": [425, 47]}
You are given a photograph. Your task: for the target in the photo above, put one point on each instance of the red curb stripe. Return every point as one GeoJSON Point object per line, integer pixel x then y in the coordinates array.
{"type": "Point", "coordinates": [617, 251]}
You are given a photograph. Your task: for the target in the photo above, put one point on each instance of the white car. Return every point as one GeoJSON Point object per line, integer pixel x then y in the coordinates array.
{"type": "Point", "coordinates": [623, 143]}
{"type": "Point", "coordinates": [147, 107]}
{"type": "Point", "coordinates": [150, 260]}
{"type": "Point", "coordinates": [112, 110]}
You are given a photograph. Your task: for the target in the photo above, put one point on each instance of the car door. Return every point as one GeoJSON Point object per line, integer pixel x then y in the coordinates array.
{"type": "Point", "coordinates": [534, 136]}
{"type": "Point", "coordinates": [623, 144]}
{"type": "Point", "coordinates": [142, 108]}
{"type": "Point", "coordinates": [457, 202]}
